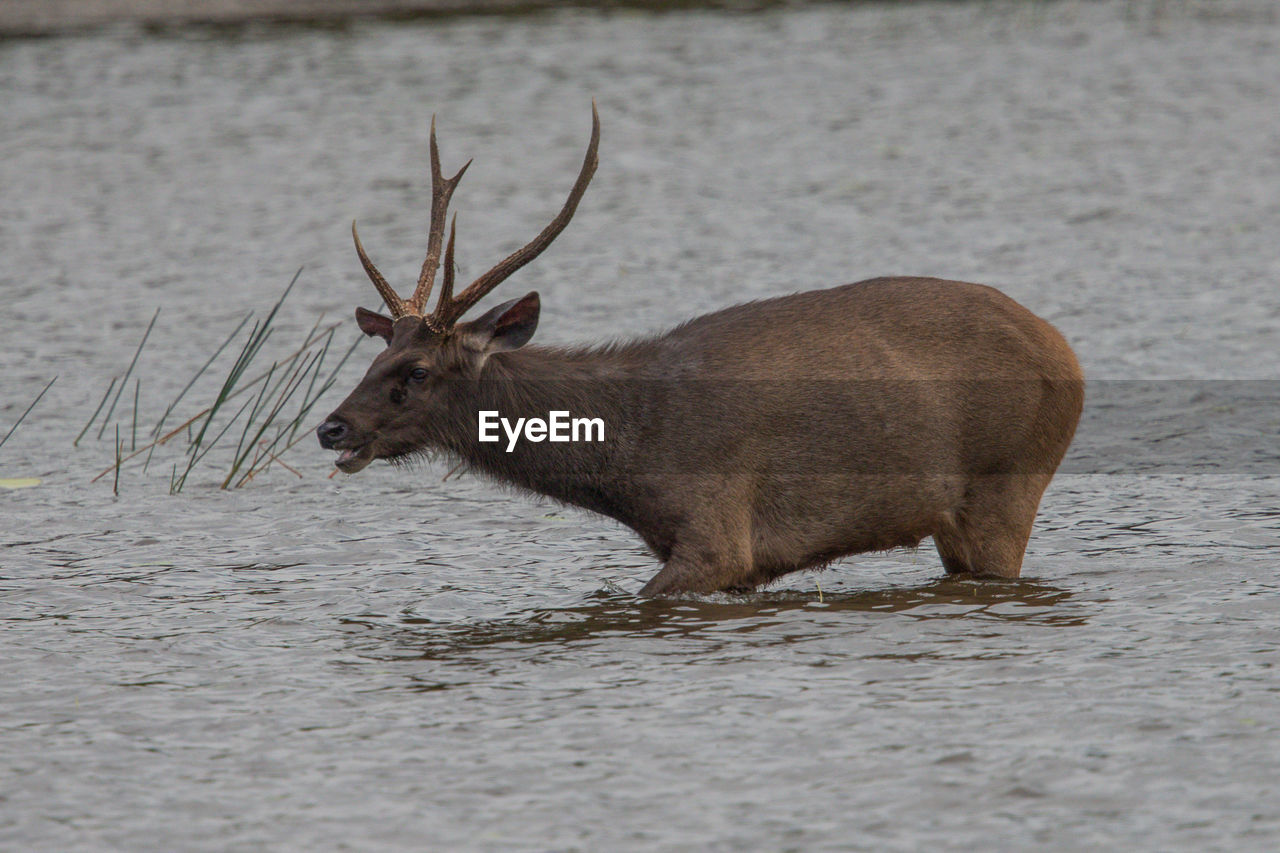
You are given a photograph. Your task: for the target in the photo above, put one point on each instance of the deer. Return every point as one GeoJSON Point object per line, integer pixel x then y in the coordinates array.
{"type": "Point", "coordinates": [766, 438]}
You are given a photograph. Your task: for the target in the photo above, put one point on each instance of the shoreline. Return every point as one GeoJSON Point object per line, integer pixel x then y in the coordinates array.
{"type": "Point", "coordinates": [19, 18]}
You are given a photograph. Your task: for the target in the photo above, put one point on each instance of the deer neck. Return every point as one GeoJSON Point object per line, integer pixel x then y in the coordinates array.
{"type": "Point", "coordinates": [533, 383]}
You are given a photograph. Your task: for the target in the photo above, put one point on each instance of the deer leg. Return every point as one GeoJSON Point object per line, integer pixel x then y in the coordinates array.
{"type": "Point", "coordinates": [988, 535]}
{"type": "Point", "coordinates": [683, 574]}
{"type": "Point", "coordinates": [950, 544]}
{"type": "Point", "coordinates": [710, 562]}
{"type": "Point", "coordinates": [711, 550]}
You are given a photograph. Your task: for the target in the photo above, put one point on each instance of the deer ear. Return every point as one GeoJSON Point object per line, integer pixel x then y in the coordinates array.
{"type": "Point", "coordinates": [508, 326]}
{"type": "Point", "coordinates": [374, 324]}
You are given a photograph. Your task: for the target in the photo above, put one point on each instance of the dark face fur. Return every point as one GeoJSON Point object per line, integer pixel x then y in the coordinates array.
{"type": "Point", "coordinates": [418, 381]}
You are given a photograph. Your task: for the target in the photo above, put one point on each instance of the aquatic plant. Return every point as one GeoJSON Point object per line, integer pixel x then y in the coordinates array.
{"type": "Point", "coordinates": [268, 422]}
{"type": "Point", "coordinates": [27, 411]}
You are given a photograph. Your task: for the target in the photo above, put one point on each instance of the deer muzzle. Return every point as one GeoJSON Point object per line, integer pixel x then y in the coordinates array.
{"type": "Point", "coordinates": [335, 434]}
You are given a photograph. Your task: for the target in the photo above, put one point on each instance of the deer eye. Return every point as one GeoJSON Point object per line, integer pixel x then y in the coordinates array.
{"type": "Point", "coordinates": [418, 374]}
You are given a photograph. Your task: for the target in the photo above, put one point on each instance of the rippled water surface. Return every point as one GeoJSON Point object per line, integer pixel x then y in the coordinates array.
{"type": "Point", "coordinates": [391, 661]}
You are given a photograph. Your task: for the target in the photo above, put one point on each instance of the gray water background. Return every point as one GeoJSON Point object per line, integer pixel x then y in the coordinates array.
{"type": "Point", "coordinates": [393, 662]}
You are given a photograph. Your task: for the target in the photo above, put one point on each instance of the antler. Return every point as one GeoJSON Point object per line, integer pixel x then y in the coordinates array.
{"type": "Point", "coordinates": [449, 310]}
{"type": "Point", "coordinates": [394, 303]}
{"type": "Point", "coordinates": [441, 192]}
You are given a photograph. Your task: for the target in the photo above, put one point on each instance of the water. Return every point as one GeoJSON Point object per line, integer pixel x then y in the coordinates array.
{"type": "Point", "coordinates": [395, 662]}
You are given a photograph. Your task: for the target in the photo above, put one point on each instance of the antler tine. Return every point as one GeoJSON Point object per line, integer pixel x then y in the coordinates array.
{"type": "Point", "coordinates": [441, 193]}
{"type": "Point", "coordinates": [448, 311]}
{"type": "Point", "coordinates": [446, 283]}
{"type": "Point", "coordinates": [394, 303]}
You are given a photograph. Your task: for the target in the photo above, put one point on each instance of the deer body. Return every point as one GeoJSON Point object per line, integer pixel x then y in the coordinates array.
{"type": "Point", "coordinates": [757, 440]}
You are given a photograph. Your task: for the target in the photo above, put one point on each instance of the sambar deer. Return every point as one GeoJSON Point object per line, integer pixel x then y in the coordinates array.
{"type": "Point", "coordinates": [762, 439]}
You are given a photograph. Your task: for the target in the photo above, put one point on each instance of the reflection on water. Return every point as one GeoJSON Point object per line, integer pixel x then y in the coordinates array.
{"type": "Point", "coordinates": [620, 614]}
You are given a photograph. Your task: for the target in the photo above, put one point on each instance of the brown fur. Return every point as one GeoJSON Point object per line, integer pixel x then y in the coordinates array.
{"type": "Point", "coordinates": [765, 438]}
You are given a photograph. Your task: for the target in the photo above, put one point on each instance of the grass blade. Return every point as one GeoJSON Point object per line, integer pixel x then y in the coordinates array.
{"type": "Point", "coordinates": [115, 485]}
{"type": "Point", "coordinates": [133, 434]}
{"type": "Point", "coordinates": [94, 416]}
{"type": "Point", "coordinates": [196, 457]}
{"type": "Point", "coordinates": [127, 373]}
{"type": "Point", "coordinates": [229, 383]}
{"type": "Point", "coordinates": [315, 374]}
{"type": "Point", "coordinates": [169, 410]}
{"type": "Point", "coordinates": [27, 411]}
{"type": "Point", "coordinates": [294, 383]}
{"type": "Point", "coordinates": [253, 413]}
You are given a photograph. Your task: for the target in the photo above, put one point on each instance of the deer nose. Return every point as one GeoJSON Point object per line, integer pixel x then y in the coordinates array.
{"type": "Point", "coordinates": [331, 432]}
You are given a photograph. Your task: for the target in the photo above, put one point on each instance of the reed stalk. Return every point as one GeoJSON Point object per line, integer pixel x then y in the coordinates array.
{"type": "Point", "coordinates": [132, 364]}
{"type": "Point", "coordinates": [27, 411]}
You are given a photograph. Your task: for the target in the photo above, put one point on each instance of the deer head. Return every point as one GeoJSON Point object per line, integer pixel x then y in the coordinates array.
{"type": "Point", "coordinates": [421, 377]}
